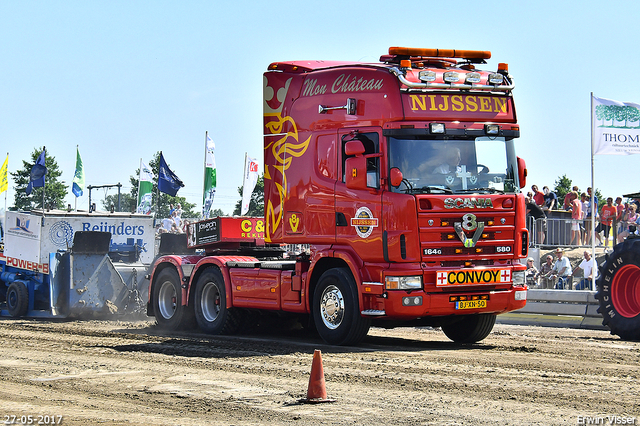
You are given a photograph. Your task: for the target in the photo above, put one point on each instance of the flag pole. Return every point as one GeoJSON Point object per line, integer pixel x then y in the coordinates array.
{"type": "Point", "coordinates": [204, 174]}
{"type": "Point", "coordinates": [44, 183]}
{"type": "Point", "coordinates": [594, 209]}
{"type": "Point", "coordinates": [76, 203]}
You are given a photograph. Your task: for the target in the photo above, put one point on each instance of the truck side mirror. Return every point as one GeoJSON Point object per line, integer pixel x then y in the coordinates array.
{"type": "Point", "coordinates": [395, 177]}
{"type": "Point", "coordinates": [522, 172]}
{"type": "Point", "coordinates": [355, 166]}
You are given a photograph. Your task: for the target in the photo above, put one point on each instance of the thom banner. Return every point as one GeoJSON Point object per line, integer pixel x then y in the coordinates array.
{"type": "Point", "coordinates": [616, 127]}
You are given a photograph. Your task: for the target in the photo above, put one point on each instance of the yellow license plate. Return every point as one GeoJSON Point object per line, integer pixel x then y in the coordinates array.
{"type": "Point", "coordinates": [471, 304]}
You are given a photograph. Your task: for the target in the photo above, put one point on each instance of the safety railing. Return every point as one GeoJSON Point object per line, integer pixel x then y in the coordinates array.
{"type": "Point", "coordinates": [557, 232]}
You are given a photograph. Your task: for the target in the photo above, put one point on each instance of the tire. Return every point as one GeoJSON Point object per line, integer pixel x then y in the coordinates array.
{"type": "Point", "coordinates": [210, 305]}
{"type": "Point", "coordinates": [619, 290]}
{"type": "Point", "coordinates": [471, 328]}
{"type": "Point", "coordinates": [170, 313]}
{"type": "Point", "coordinates": [336, 311]}
{"type": "Point", "coordinates": [17, 299]}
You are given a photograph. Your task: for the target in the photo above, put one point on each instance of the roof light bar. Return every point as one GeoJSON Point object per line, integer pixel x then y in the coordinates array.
{"type": "Point", "coordinates": [440, 53]}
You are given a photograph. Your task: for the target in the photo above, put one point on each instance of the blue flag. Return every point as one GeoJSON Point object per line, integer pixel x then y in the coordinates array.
{"type": "Point", "coordinates": [168, 182]}
{"type": "Point", "coordinates": [38, 172]}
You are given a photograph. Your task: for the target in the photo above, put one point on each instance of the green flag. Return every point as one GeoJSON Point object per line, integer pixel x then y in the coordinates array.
{"type": "Point", "coordinates": [78, 177]}
{"type": "Point", "coordinates": [209, 177]}
{"type": "Point", "coordinates": [145, 189]}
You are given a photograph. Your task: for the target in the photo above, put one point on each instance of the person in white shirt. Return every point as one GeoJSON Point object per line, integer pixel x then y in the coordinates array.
{"type": "Point", "coordinates": [589, 268]}
{"type": "Point", "coordinates": [561, 269]}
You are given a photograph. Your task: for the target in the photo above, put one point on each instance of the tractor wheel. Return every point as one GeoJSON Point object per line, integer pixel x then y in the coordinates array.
{"type": "Point", "coordinates": [17, 299]}
{"type": "Point", "coordinates": [619, 290]}
{"type": "Point", "coordinates": [470, 328]}
{"type": "Point", "coordinates": [169, 310]}
{"type": "Point", "coordinates": [336, 311]}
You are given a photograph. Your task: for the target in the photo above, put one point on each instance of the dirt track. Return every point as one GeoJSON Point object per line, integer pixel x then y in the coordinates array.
{"type": "Point", "coordinates": [126, 373]}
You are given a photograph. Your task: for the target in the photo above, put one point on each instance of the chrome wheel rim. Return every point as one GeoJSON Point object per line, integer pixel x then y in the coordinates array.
{"type": "Point", "coordinates": [167, 300]}
{"type": "Point", "coordinates": [332, 307]}
{"type": "Point", "coordinates": [210, 303]}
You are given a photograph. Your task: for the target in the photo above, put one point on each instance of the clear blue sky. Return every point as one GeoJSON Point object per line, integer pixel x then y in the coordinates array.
{"type": "Point", "coordinates": [125, 79]}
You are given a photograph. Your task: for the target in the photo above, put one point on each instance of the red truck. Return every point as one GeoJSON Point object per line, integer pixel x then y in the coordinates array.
{"type": "Point", "coordinates": [401, 179]}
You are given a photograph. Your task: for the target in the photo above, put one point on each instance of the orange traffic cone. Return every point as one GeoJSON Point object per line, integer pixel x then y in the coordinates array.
{"type": "Point", "coordinates": [316, 392]}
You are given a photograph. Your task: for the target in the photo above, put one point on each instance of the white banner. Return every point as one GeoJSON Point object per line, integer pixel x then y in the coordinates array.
{"type": "Point", "coordinates": [616, 127]}
{"type": "Point", "coordinates": [250, 180]}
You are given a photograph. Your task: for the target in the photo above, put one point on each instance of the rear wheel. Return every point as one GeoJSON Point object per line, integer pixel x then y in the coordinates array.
{"type": "Point", "coordinates": [211, 310]}
{"type": "Point", "coordinates": [336, 310]}
{"type": "Point", "coordinates": [17, 299]}
{"type": "Point", "coordinates": [169, 310]}
{"type": "Point", "coordinates": [619, 290]}
{"type": "Point", "coordinates": [471, 328]}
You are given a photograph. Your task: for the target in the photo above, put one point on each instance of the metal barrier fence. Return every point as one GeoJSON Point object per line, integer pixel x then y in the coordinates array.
{"type": "Point", "coordinates": [556, 232]}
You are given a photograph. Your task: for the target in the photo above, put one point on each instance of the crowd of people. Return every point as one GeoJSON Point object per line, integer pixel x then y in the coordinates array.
{"type": "Point", "coordinates": [174, 223]}
{"type": "Point", "coordinates": [622, 215]}
{"type": "Point", "coordinates": [615, 219]}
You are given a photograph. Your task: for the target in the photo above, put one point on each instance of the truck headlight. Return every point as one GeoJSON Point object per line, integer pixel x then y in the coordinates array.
{"type": "Point", "coordinates": [412, 282]}
{"type": "Point", "coordinates": [518, 278]}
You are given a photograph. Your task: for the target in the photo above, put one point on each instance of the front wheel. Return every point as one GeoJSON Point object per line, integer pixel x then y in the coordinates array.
{"type": "Point", "coordinates": [471, 328]}
{"type": "Point", "coordinates": [336, 310]}
{"type": "Point", "coordinates": [211, 310]}
{"type": "Point", "coordinates": [170, 312]}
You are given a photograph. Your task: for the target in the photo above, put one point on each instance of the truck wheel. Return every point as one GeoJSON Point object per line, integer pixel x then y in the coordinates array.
{"type": "Point", "coordinates": [619, 290]}
{"type": "Point", "coordinates": [17, 299]}
{"type": "Point", "coordinates": [470, 328]}
{"type": "Point", "coordinates": [336, 310]}
{"type": "Point", "coordinates": [212, 313]}
{"type": "Point", "coordinates": [170, 313]}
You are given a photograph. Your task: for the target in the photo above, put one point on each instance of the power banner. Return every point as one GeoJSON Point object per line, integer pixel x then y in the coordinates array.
{"type": "Point", "coordinates": [616, 127]}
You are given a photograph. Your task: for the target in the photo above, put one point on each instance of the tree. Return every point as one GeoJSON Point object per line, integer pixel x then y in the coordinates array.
{"type": "Point", "coordinates": [256, 204]}
{"type": "Point", "coordinates": [562, 187]}
{"type": "Point", "coordinates": [127, 202]}
{"type": "Point", "coordinates": [217, 212]}
{"type": "Point", "coordinates": [160, 201]}
{"type": "Point", "coordinates": [54, 191]}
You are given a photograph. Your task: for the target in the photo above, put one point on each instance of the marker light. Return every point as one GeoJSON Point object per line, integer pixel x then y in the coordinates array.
{"type": "Point", "coordinates": [492, 129]}
{"type": "Point", "coordinates": [451, 76]}
{"type": "Point", "coordinates": [436, 128]}
{"type": "Point", "coordinates": [427, 75]}
{"type": "Point", "coordinates": [472, 77]}
{"type": "Point", "coordinates": [495, 78]}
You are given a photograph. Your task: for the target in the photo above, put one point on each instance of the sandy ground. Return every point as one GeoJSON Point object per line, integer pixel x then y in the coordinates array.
{"type": "Point", "coordinates": [128, 373]}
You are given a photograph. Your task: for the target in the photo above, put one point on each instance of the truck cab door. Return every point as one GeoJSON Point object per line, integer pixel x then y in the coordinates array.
{"type": "Point", "coordinates": [358, 193]}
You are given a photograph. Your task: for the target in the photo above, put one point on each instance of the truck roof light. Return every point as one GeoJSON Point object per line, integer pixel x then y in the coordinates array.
{"type": "Point", "coordinates": [472, 77]}
{"type": "Point", "coordinates": [440, 53]}
{"type": "Point", "coordinates": [496, 78]}
{"type": "Point", "coordinates": [451, 76]}
{"type": "Point", "coordinates": [436, 128]}
{"type": "Point", "coordinates": [492, 129]}
{"type": "Point", "coordinates": [405, 63]}
{"type": "Point", "coordinates": [503, 68]}
{"type": "Point", "coordinates": [427, 76]}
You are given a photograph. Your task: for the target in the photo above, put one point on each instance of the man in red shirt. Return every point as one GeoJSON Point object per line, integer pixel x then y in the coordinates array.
{"type": "Point", "coordinates": [538, 196]}
{"type": "Point", "coordinates": [609, 211]}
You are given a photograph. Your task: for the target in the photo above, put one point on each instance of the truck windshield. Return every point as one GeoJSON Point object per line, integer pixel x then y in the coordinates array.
{"type": "Point", "coordinates": [481, 165]}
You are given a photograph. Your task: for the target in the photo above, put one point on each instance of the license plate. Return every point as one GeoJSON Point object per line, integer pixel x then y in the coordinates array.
{"type": "Point", "coordinates": [471, 304]}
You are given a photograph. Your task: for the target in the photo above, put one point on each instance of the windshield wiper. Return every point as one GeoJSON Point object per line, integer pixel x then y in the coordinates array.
{"type": "Point", "coordinates": [483, 189]}
{"type": "Point", "coordinates": [431, 190]}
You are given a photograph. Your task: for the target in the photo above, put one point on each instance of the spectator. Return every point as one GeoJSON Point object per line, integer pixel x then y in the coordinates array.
{"type": "Point", "coordinates": [567, 198]}
{"type": "Point", "coordinates": [608, 213]}
{"type": "Point", "coordinates": [531, 274]}
{"type": "Point", "coordinates": [545, 272]}
{"type": "Point", "coordinates": [588, 266]}
{"type": "Point", "coordinates": [179, 210]}
{"type": "Point", "coordinates": [620, 206]}
{"type": "Point", "coordinates": [550, 199]}
{"type": "Point", "coordinates": [540, 219]}
{"type": "Point", "coordinates": [585, 206]}
{"type": "Point", "coordinates": [592, 210]}
{"type": "Point", "coordinates": [538, 196]}
{"type": "Point", "coordinates": [628, 219]}
{"type": "Point", "coordinates": [177, 222]}
{"type": "Point", "coordinates": [561, 270]}
{"type": "Point", "coordinates": [576, 218]}
{"type": "Point", "coordinates": [167, 224]}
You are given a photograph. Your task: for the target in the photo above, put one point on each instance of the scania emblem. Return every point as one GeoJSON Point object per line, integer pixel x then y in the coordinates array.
{"type": "Point", "coordinates": [469, 223]}
{"type": "Point", "coordinates": [468, 203]}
